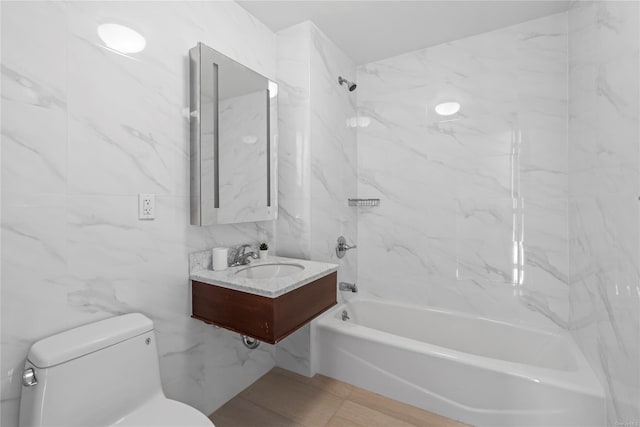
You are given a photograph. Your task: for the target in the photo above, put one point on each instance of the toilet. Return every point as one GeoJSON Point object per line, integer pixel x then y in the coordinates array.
{"type": "Point", "coordinates": [101, 374]}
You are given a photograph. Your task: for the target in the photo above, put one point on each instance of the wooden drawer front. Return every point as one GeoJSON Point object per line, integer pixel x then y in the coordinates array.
{"type": "Point", "coordinates": [241, 312]}
{"type": "Point", "coordinates": [267, 319]}
{"type": "Point", "coordinates": [298, 307]}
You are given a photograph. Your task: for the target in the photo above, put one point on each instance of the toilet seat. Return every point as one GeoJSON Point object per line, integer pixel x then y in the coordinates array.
{"type": "Point", "coordinates": [161, 411]}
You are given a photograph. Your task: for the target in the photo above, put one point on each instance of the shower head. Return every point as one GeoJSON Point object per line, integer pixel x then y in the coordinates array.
{"type": "Point", "coordinates": [350, 85]}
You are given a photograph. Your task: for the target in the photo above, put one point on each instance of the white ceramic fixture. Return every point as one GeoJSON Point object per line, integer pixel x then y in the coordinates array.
{"type": "Point", "coordinates": [269, 271]}
{"type": "Point", "coordinates": [473, 369]}
{"type": "Point", "coordinates": [101, 374]}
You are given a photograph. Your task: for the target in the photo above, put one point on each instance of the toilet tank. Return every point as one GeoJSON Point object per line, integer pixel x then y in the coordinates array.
{"type": "Point", "coordinates": [91, 375]}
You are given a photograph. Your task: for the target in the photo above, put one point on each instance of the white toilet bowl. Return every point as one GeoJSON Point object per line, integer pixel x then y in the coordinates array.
{"type": "Point", "coordinates": [164, 412]}
{"type": "Point", "coordinates": [102, 374]}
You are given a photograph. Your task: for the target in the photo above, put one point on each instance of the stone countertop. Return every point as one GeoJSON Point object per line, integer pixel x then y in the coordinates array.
{"type": "Point", "coordinates": [271, 288]}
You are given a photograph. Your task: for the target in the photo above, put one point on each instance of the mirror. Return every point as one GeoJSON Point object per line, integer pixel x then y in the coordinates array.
{"type": "Point", "coordinates": [233, 125]}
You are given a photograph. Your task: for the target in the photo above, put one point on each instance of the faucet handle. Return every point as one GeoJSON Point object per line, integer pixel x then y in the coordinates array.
{"type": "Point", "coordinates": [238, 252]}
{"type": "Point", "coordinates": [342, 247]}
{"type": "Point", "coordinates": [243, 248]}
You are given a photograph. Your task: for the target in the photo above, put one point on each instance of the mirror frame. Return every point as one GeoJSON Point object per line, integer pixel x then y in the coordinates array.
{"type": "Point", "coordinates": [205, 203]}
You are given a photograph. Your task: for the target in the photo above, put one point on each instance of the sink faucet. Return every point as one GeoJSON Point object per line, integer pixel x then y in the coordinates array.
{"type": "Point", "coordinates": [242, 257]}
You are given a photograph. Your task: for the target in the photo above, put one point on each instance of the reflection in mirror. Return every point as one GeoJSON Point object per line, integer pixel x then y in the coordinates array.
{"type": "Point", "coordinates": [243, 156]}
{"type": "Point", "coordinates": [233, 141]}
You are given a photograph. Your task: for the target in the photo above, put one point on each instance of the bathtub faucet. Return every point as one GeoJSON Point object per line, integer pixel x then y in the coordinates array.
{"type": "Point", "coordinates": [344, 286]}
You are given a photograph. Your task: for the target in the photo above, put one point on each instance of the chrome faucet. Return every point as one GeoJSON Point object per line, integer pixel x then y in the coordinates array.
{"type": "Point", "coordinates": [342, 247]}
{"type": "Point", "coordinates": [345, 315]}
{"type": "Point", "coordinates": [242, 257]}
{"type": "Point", "coordinates": [344, 286]}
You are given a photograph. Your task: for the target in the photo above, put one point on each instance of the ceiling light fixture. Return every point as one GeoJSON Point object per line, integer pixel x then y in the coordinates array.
{"type": "Point", "coordinates": [121, 39]}
{"type": "Point", "coordinates": [447, 108]}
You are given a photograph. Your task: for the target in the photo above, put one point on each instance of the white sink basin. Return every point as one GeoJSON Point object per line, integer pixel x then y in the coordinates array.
{"type": "Point", "coordinates": [269, 271]}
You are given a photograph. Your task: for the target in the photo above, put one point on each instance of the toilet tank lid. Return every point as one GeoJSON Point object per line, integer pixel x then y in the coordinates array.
{"type": "Point", "coordinates": [86, 339]}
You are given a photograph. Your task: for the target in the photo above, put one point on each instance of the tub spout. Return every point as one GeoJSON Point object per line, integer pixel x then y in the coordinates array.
{"type": "Point", "coordinates": [344, 286]}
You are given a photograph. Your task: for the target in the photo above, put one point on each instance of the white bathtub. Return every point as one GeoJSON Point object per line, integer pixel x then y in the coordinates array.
{"type": "Point", "coordinates": [476, 370]}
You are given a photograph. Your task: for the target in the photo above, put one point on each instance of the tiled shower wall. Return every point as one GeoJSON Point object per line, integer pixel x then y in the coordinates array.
{"type": "Point", "coordinates": [604, 186]}
{"type": "Point", "coordinates": [84, 130]}
{"type": "Point", "coordinates": [317, 163]}
{"type": "Point", "coordinates": [524, 206]}
{"type": "Point", "coordinates": [473, 212]}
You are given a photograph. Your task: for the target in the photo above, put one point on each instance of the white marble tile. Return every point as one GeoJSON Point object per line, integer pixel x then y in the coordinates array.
{"type": "Point", "coordinates": [84, 130]}
{"type": "Point", "coordinates": [294, 151]}
{"type": "Point", "coordinates": [317, 162]}
{"type": "Point", "coordinates": [38, 78]}
{"type": "Point", "coordinates": [144, 137]}
{"type": "Point", "coordinates": [487, 235]}
{"type": "Point", "coordinates": [604, 166]}
{"type": "Point", "coordinates": [294, 352]}
{"type": "Point", "coordinates": [542, 108]}
{"type": "Point", "coordinates": [34, 99]}
{"type": "Point", "coordinates": [456, 190]}
{"type": "Point", "coordinates": [43, 148]}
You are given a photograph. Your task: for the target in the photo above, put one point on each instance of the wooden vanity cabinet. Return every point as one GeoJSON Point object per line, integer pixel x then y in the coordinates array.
{"type": "Point", "coordinates": [266, 319]}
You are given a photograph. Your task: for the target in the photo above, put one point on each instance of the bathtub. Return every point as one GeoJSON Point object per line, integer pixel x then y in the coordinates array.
{"type": "Point", "coordinates": [476, 370]}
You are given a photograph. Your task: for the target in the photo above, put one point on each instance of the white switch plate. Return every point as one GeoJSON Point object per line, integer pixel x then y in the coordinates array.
{"type": "Point", "coordinates": [146, 206]}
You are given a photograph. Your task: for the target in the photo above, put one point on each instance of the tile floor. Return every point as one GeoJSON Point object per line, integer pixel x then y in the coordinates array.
{"type": "Point", "coordinates": [284, 399]}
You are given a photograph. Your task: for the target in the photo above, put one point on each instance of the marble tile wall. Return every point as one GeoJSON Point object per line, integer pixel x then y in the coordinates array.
{"type": "Point", "coordinates": [84, 130]}
{"type": "Point", "coordinates": [317, 158]}
{"type": "Point", "coordinates": [294, 172]}
{"type": "Point", "coordinates": [473, 212]}
{"type": "Point", "coordinates": [294, 154]}
{"type": "Point", "coordinates": [604, 185]}
{"type": "Point", "coordinates": [333, 154]}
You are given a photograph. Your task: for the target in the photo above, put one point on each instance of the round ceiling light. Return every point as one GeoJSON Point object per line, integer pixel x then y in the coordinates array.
{"type": "Point", "coordinates": [447, 108]}
{"type": "Point", "coordinates": [120, 38]}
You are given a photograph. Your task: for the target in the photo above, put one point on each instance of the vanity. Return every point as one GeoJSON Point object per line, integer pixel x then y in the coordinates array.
{"type": "Point", "coordinates": [267, 299]}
